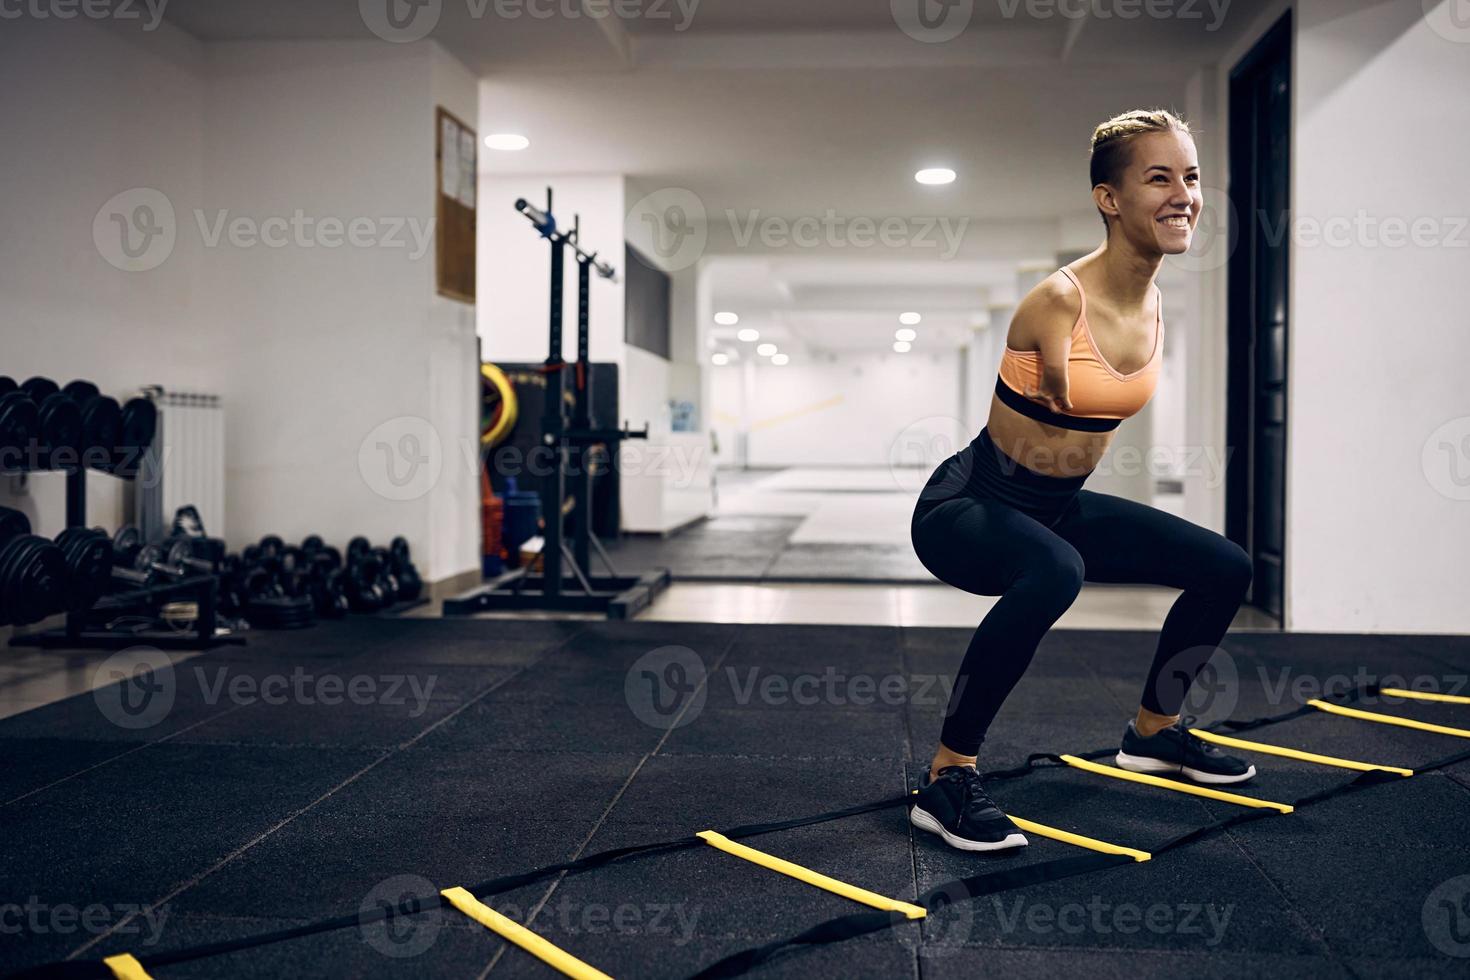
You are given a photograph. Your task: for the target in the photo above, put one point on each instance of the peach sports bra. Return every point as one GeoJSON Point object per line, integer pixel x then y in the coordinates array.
{"type": "Point", "coordinates": [1101, 397]}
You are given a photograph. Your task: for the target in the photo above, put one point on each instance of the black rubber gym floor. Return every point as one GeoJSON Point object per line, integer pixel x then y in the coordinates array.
{"type": "Point", "coordinates": [228, 816]}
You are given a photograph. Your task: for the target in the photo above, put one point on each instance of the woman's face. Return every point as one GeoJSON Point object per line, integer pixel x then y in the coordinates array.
{"type": "Point", "coordinates": [1157, 202]}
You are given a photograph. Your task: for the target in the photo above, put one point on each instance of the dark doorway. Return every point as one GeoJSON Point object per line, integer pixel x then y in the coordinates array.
{"type": "Point", "coordinates": [1260, 183]}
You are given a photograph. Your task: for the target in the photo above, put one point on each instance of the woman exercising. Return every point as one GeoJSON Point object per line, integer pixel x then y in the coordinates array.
{"type": "Point", "coordinates": [1007, 514]}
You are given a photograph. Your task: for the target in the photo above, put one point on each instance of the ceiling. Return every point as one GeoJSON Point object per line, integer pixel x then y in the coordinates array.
{"type": "Point", "coordinates": [789, 128]}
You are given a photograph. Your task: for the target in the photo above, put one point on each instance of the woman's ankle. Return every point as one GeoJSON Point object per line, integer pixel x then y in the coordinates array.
{"type": "Point", "coordinates": [944, 758]}
{"type": "Point", "coordinates": [1149, 723]}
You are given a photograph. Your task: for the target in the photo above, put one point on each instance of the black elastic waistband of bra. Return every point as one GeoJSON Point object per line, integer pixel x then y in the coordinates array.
{"type": "Point", "coordinates": [1041, 413]}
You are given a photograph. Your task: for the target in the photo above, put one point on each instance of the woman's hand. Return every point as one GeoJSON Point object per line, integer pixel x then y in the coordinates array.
{"type": "Point", "coordinates": [1052, 392]}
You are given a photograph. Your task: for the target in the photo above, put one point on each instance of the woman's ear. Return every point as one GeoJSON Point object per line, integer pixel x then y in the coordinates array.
{"type": "Point", "coordinates": [1102, 196]}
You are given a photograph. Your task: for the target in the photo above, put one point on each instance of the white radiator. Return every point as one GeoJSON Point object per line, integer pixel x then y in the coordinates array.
{"type": "Point", "coordinates": [191, 434]}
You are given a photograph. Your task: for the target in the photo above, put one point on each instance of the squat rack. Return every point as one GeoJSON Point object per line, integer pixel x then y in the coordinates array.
{"type": "Point", "coordinates": [571, 441]}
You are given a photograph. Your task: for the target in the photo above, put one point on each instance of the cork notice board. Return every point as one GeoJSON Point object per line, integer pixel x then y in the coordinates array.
{"type": "Point", "coordinates": [455, 170]}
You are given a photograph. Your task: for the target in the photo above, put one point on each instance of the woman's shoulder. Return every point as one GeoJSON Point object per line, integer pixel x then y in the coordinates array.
{"type": "Point", "coordinates": [1052, 306]}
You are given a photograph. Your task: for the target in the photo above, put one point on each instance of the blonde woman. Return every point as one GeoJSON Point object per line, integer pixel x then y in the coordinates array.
{"type": "Point", "coordinates": [1007, 515]}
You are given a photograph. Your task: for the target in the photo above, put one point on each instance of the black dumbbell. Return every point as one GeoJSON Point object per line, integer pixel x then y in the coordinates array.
{"type": "Point", "coordinates": [17, 430]}
{"type": "Point", "coordinates": [126, 544]}
{"type": "Point", "coordinates": [88, 554]}
{"type": "Point", "coordinates": [138, 423]}
{"type": "Point", "coordinates": [186, 553]}
{"type": "Point", "coordinates": [389, 573]}
{"type": "Point", "coordinates": [357, 548]}
{"type": "Point", "coordinates": [365, 585]}
{"type": "Point", "coordinates": [33, 574]}
{"type": "Point", "coordinates": [328, 593]}
{"type": "Point", "coordinates": [39, 388]}
{"type": "Point", "coordinates": [58, 431]}
{"type": "Point", "coordinates": [80, 391]}
{"type": "Point", "coordinates": [101, 432]}
{"type": "Point", "coordinates": [131, 566]}
{"type": "Point", "coordinates": [410, 585]}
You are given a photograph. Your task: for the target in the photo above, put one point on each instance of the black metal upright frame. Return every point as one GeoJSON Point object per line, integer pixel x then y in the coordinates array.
{"type": "Point", "coordinates": [573, 443]}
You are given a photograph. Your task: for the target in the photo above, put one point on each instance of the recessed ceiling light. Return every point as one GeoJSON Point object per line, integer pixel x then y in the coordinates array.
{"type": "Point", "coordinates": [902, 346]}
{"type": "Point", "coordinates": [909, 319]}
{"type": "Point", "coordinates": [905, 334]}
{"type": "Point", "coordinates": [779, 358]}
{"type": "Point", "coordinates": [727, 319]}
{"type": "Point", "coordinates": [720, 358]}
{"type": "Point", "coordinates": [749, 335]}
{"type": "Point", "coordinates": [935, 175]}
{"type": "Point", "coordinates": [506, 141]}
{"type": "Point", "coordinates": [766, 350]}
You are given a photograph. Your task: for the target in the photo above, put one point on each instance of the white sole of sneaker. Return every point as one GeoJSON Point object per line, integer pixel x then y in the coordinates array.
{"type": "Point", "coordinates": [925, 821]}
{"type": "Point", "coordinates": [1142, 763]}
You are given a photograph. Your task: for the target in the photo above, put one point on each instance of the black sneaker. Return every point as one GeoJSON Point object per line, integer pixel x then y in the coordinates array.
{"type": "Point", "coordinates": [1174, 749]}
{"type": "Point", "coordinates": [955, 807]}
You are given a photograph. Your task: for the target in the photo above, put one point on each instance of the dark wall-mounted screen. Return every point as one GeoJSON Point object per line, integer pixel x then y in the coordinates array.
{"type": "Point", "coordinates": [646, 304]}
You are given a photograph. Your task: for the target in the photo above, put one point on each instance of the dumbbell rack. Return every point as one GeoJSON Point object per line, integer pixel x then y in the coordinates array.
{"type": "Point", "coordinates": [79, 631]}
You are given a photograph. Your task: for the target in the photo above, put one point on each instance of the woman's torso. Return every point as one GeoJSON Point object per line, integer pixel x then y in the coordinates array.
{"type": "Point", "coordinates": [1128, 341]}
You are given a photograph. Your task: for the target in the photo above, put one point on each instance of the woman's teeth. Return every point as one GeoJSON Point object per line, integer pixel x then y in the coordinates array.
{"type": "Point", "coordinates": [1177, 221]}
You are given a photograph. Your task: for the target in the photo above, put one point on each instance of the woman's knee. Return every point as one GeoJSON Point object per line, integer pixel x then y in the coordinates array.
{"type": "Point", "coordinates": [1055, 572]}
{"type": "Point", "coordinates": [1231, 568]}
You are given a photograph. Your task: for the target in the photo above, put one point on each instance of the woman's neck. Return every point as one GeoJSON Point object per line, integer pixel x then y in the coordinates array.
{"type": "Point", "coordinates": [1127, 276]}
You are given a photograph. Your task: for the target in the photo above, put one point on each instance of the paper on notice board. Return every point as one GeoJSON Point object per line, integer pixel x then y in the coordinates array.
{"type": "Point", "coordinates": [449, 174]}
{"type": "Point", "coordinates": [466, 193]}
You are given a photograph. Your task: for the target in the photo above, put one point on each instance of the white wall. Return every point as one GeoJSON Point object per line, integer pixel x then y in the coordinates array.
{"type": "Point", "coordinates": [329, 348]}
{"type": "Point", "coordinates": [1377, 417]}
{"type": "Point", "coordinates": [847, 412]}
{"type": "Point", "coordinates": [92, 110]}
{"type": "Point", "coordinates": [454, 362]}
{"type": "Point", "coordinates": [310, 347]}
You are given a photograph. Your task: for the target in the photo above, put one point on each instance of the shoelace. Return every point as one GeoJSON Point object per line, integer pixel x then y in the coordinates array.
{"type": "Point", "coordinates": [974, 801]}
{"type": "Point", "coordinates": [1193, 742]}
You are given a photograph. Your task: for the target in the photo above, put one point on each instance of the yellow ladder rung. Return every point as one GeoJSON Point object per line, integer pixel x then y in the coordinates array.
{"type": "Point", "coordinates": [1178, 787]}
{"type": "Point", "coordinates": [1422, 726]}
{"type": "Point", "coordinates": [553, 956]}
{"type": "Point", "coordinates": [1323, 760]}
{"type": "Point", "coordinates": [811, 877]}
{"type": "Point", "coordinates": [1423, 695]}
{"type": "Point", "coordinates": [1067, 837]}
{"type": "Point", "coordinates": [125, 967]}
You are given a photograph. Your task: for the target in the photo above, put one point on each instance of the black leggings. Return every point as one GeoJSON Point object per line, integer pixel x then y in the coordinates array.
{"type": "Point", "coordinates": [988, 525]}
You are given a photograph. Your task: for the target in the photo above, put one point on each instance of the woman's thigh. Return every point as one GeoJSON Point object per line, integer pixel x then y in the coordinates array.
{"type": "Point", "coordinates": [982, 546]}
{"type": "Point", "coordinates": [1121, 540]}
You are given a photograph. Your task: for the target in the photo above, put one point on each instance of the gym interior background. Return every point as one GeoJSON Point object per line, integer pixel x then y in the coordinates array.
{"type": "Point", "coordinates": [325, 661]}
